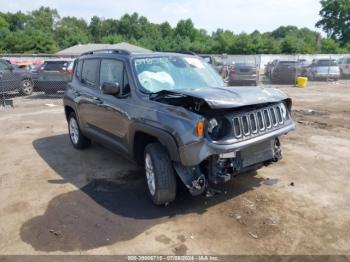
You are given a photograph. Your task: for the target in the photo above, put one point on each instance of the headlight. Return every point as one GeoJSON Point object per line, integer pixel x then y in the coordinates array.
{"type": "Point", "coordinates": [212, 124]}
{"type": "Point", "coordinates": [217, 128]}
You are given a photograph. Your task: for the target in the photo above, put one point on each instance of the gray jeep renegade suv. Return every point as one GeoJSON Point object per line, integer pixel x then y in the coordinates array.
{"type": "Point", "coordinates": [173, 114]}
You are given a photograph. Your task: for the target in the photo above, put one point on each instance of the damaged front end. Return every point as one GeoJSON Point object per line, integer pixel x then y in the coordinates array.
{"type": "Point", "coordinates": [220, 168]}
{"type": "Point", "coordinates": [241, 132]}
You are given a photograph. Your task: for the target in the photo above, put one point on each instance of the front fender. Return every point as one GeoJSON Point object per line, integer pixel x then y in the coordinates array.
{"type": "Point", "coordinates": [164, 137]}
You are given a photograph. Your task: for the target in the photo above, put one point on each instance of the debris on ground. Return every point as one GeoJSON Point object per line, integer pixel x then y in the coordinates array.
{"type": "Point", "coordinates": [212, 192]}
{"type": "Point", "coordinates": [291, 184]}
{"type": "Point", "coordinates": [253, 235]}
{"type": "Point", "coordinates": [50, 105]}
{"type": "Point", "coordinates": [56, 233]}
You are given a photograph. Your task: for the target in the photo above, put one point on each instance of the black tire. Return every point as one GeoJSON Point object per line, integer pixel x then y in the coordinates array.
{"type": "Point", "coordinates": [79, 141]}
{"type": "Point", "coordinates": [26, 87]}
{"type": "Point", "coordinates": [164, 175]}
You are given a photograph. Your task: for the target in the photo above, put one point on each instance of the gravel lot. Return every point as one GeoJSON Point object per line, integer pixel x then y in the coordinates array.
{"type": "Point", "coordinates": [55, 199]}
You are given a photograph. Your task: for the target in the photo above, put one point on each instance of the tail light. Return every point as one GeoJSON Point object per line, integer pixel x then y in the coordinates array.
{"type": "Point", "coordinates": [232, 71]}
{"type": "Point", "coordinates": [347, 66]}
{"type": "Point", "coordinates": [254, 71]}
{"type": "Point", "coordinates": [69, 72]}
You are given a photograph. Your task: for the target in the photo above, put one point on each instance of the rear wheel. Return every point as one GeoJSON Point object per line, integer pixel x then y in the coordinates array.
{"type": "Point", "coordinates": [26, 87]}
{"type": "Point", "coordinates": [78, 140]}
{"type": "Point", "coordinates": [160, 175]}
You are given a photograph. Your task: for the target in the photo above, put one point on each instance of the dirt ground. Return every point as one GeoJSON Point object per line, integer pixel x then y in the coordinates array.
{"type": "Point", "coordinates": [57, 200]}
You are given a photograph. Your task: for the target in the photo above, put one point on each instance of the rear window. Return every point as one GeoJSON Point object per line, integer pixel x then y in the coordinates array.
{"type": "Point", "coordinates": [326, 63]}
{"type": "Point", "coordinates": [56, 65]}
{"type": "Point", "coordinates": [89, 73]}
{"type": "Point", "coordinates": [346, 61]}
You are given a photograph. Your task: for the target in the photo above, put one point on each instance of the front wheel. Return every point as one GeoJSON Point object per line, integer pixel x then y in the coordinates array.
{"type": "Point", "coordinates": [78, 140]}
{"type": "Point", "coordinates": [160, 174]}
{"type": "Point", "coordinates": [27, 87]}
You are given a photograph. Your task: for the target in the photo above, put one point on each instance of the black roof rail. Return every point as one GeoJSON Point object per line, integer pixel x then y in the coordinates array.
{"type": "Point", "coordinates": [115, 51]}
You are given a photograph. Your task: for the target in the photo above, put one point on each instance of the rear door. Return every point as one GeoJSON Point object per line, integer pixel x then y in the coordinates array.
{"type": "Point", "coordinates": [88, 93]}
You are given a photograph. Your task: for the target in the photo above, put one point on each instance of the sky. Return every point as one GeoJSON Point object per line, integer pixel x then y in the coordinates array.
{"type": "Point", "coordinates": [235, 15]}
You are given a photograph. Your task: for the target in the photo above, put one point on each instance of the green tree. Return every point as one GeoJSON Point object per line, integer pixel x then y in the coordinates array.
{"type": "Point", "coordinates": [44, 19]}
{"type": "Point", "coordinates": [335, 19]}
{"type": "Point", "coordinates": [185, 29]}
{"type": "Point", "coordinates": [71, 31]}
{"type": "Point", "coordinates": [43, 30]}
{"type": "Point", "coordinates": [31, 41]}
{"type": "Point", "coordinates": [95, 29]}
{"type": "Point", "coordinates": [329, 46]}
{"type": "Point", "coordinates": [4, 32]}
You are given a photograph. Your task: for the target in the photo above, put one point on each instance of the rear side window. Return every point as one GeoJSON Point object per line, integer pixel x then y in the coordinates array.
{"type": "Point", "coordinates": [346, 61]}
{"type": "Point", "coordinates": [78, 69]}
{"type": "Point", "coordinates": [111, 71]}
{"type": "Point", "coordinates": [89, 73]}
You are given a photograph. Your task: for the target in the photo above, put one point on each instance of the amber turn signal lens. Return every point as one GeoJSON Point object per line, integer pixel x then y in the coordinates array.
{"type": "Point", "coordinates": [200, 128]}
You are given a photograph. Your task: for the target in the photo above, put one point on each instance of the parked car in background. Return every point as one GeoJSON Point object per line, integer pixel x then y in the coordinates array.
{"type": "Point", "coordinates": [271, 67]}
{"type": "Point", "coordinates": [52, 75]}
{"type": "Point", "coordinates": [344, 66]}
{"type": "Point", "coordinates": [267, 69]}
{"type": "Point", "coordinates": [14, 79]}
{"type": "Point", "coordinates": [243, 74]}
{"type": "Point", "coordinates": [285, 71]}
{"type": "Point", "coordinates": [323, 69]}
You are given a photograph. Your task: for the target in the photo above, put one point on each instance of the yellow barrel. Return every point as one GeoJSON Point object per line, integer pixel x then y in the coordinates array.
{"type": "Point", "coordinates": [301, 81]}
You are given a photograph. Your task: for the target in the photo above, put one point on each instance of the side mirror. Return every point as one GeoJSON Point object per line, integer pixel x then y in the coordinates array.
{"type": "Point", "coordinates": [109, 88]}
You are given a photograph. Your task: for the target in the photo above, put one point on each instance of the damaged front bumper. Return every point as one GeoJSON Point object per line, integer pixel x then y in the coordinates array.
{"type": "Point", "coordinates": [205, 162]}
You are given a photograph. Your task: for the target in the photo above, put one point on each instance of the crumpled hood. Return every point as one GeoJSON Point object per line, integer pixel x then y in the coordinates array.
{"type": "Point", "coordinates": [230, 97]}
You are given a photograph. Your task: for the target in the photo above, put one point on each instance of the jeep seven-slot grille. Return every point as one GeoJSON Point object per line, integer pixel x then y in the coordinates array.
{"type": "Point", "coordinates": [264, 120]}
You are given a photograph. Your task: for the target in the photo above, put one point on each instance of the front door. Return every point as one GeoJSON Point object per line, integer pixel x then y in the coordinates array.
{"type": "Point", "coordinates": [113, 116]}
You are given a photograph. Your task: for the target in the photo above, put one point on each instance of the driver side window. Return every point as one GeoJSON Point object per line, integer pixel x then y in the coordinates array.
{"type": "Point", "coordinates": [113, 71]}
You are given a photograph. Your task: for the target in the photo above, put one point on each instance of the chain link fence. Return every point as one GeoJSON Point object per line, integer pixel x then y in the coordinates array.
{"type": "Point", "coordinates": [266, 70]}
{"type": "Point", "coordinates": [33, 77]}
